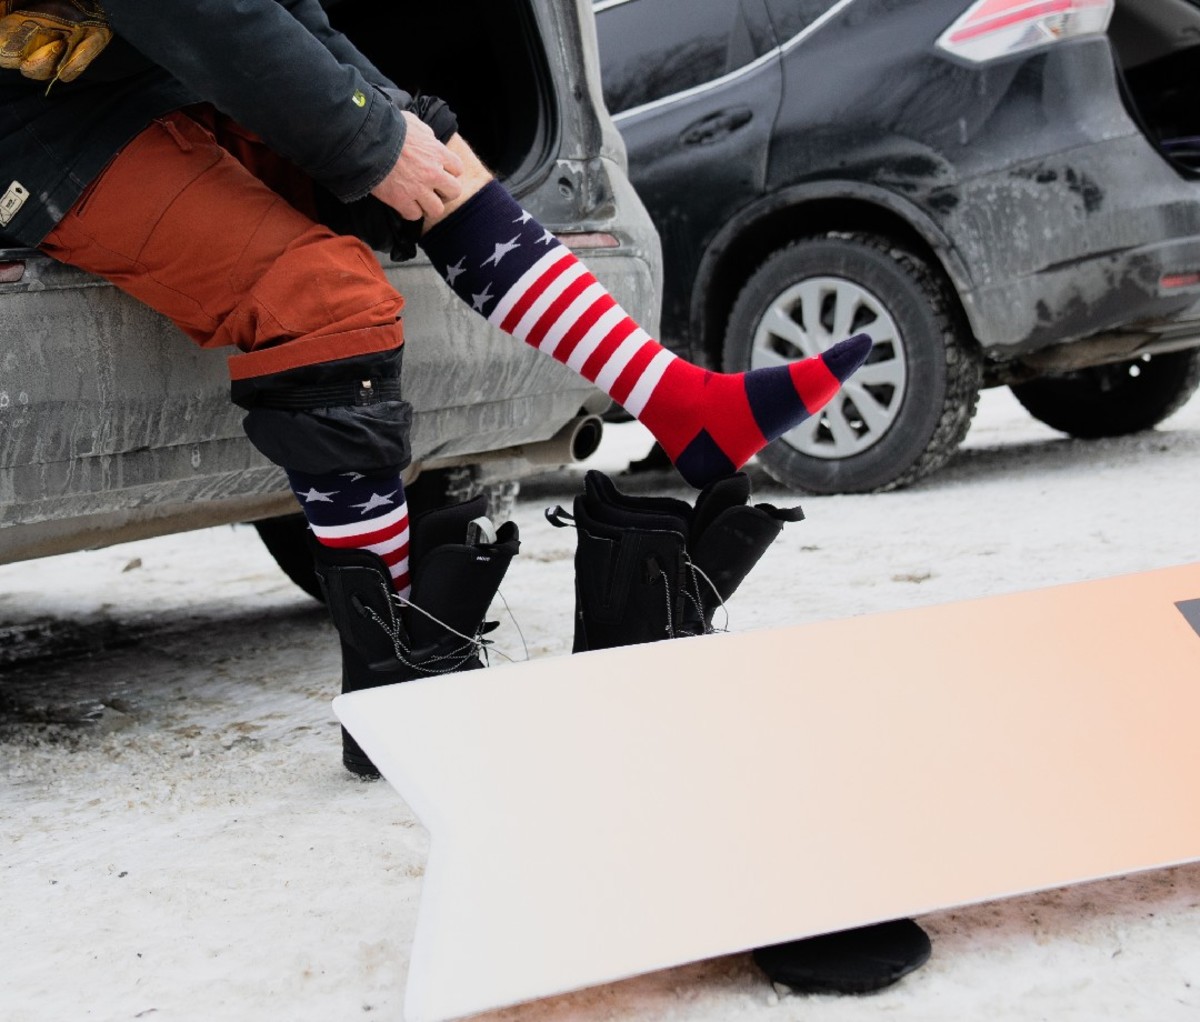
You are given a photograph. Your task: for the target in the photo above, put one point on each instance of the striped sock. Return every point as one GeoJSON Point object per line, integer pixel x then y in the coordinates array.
{"type": "Point", "coordinates": [517, 275]}
{"type": "Point", "coordinates": [362, 512]}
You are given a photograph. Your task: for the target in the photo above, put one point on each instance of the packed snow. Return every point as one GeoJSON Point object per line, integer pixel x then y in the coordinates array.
{"type": "Point", "coordinates": [179, 840]}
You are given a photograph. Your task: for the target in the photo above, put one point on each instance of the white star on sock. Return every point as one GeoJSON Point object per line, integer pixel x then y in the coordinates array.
{"type": "Point", "coordinates": [456, 271]}
{"type": "Point", "coordinates": [353, 476]}
{"type": "Point", "coordinates": [377, 500]}
{"type": "Point", "coordinates": [479, 301]}
{"type": "Point", "coordinates": [525, 217]}
{"type": "Point", "coordinates": [502, 249]}
{"type": "Point", "coordinates": [546, 238]}
{"type": "Point", "coordinates": [315, 496]}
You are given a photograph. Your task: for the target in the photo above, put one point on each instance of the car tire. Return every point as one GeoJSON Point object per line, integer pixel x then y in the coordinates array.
{"type": "Point", "coordinates": [903, 415]}
{"type": "Point", "coordinates": [1113, 400]}
{"type": "Point", "coordinates": [286, 537]}
{"type": "Point", "coordinates": [439, 487]}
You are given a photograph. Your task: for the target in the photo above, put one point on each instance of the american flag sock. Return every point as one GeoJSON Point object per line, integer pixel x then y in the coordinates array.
{"type": "Point", "coordinates": [517, 275]}
{"type": "Point", "coordinates": [349, 509]}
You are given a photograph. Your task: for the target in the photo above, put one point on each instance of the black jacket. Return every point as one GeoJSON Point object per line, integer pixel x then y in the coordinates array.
{"type": "Point", "coordinates": [274, 66]}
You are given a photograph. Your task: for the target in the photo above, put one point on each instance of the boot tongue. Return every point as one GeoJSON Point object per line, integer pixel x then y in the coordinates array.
{"type": "Point", "coordinates": [608, 505]}
{"type": "Point", "coordinates": [454, 579]}
{"type": "Point", "coordinates": [438, 555]}
{"type": "Point", "coordinates": [729, 536]}
{"type": "Point", "coordinates": [717, 498]}
{"type": "Point", "coordinates": [442, 526]}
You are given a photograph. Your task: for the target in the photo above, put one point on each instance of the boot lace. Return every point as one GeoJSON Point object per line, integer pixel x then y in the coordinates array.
{"type": "Point", "coordinates": [692, 594]}
{"type": "Point", "coordinates": [451, 660]}
{"type": "Point", "coordinates": [560, 518]}
{"type": "Point", "coordinates": [441, 663]}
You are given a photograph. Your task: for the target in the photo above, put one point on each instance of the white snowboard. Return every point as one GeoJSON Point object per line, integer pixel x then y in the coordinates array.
{"type": "Point", "coordinates": [608, 814]}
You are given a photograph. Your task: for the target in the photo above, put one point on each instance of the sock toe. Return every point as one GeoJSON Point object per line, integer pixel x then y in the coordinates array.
{"type": "Point", "coordinates": [846, 356]}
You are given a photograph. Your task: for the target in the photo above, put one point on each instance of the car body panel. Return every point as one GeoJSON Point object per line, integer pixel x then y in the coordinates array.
{"type": "Point", "coordinates": [716, 134]}
{"type": "Point", "coordinates": [1027, 178]}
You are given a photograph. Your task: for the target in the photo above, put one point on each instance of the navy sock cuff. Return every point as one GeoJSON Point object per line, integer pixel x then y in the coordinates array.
{"type": "Point", "coordinates": [345, 498]}
{"type": "Point", "coordinates": [486, 245]}
{"type": "Point", "coordinates": [486, 214]}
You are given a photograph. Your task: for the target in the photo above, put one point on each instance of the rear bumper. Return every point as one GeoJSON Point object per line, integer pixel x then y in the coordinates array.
{"type": "Point", "coordinates": [1078, 245]}
{"type": "Point", "coordinates": [1124, 293]}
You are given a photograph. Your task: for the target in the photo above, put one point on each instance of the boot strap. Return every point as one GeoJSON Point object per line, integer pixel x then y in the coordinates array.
{"type": "Point", "coordinates": [782, 514]}
{"type": "Point", "coordinates": [560, 517]}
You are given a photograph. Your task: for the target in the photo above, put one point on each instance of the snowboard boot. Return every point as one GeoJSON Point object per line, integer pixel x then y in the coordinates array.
{"type": "Point", "coordinates": [857, 961]}
{"type": "Point", "coordinates": [650, 568]}
{"type": "Point", "coordinates": [457, 567]}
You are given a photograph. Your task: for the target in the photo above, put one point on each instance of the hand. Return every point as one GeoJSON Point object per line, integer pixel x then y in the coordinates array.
{"type": "Point", "coordinates": [425, 176]}
{"type": "Point", "coordinates": [51, 39]}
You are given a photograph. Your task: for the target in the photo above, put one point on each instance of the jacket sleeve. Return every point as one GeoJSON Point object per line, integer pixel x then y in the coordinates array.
{"type": "Point", "coordinates": [278, 68]}
{"type": "Point", "coordinates": [312, 16]}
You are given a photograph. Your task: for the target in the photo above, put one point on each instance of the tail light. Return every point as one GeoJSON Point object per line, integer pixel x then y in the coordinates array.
{"type": "Point", "coordinates": [1176, 281]}
{"type": "Point", "coordinates": [999, 28]}
{"type": "Point", "coordinates": [584, 239]}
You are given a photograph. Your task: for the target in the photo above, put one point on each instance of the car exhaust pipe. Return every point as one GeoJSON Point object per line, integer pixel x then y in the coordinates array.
{"type": "Point", "coordinates": [581, 436]}
{"type": "Point", "coordinates": [577, 440]}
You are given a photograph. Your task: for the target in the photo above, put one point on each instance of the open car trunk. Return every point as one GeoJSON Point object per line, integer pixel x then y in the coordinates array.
{"type": "Point", "coordinates": [1157, 43]}
{"type": "Point", "coordinates": [487, 63]}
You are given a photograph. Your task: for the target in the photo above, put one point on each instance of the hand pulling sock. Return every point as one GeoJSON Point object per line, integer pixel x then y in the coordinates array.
{"type": "Point", "coordinates": [352, 510]}
{"type": "Point", "coordinates": [517, 275]}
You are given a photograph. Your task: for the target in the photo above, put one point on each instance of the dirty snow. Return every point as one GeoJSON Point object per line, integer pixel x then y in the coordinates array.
{"type": "Point", "coordinates": [178, 840]}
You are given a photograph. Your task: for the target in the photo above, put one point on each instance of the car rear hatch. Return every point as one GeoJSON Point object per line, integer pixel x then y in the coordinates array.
{"type": "Point", "coordinates": [493, 73]}
{"type": "Point", "coordinates": [1157, 47]}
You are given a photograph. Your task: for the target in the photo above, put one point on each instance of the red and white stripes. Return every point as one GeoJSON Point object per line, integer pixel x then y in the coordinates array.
{"type": "Point", "coordinates": [513, 271]}
{"type": "Point", "coordinates": [558, 307]}
{"type": "Point", "coordinates": [387, 536]}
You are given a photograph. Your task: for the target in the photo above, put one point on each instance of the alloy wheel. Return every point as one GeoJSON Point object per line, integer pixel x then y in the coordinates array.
{"type": "Point", "coordinates": [808, 318]}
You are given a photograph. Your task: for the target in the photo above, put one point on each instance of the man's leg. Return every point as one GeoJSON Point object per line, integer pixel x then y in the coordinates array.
{"type": "Point", "coordinates": [195, 233]}
{"type": "Point", "coordinates": [179, 223]}
{"type": "Point", "coordinates": [516, 274]}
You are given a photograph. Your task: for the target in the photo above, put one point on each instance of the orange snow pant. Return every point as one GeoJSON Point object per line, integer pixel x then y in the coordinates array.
{"type": "Point", "coordinates": [199, 220]}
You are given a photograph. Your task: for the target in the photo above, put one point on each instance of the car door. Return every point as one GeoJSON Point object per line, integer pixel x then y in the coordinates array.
{"type": "Point", "coordinates": [694, 88]}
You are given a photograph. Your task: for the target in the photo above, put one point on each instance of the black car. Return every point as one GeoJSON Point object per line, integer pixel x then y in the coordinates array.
{"type": "Point", "coordinates": [1004, 192]}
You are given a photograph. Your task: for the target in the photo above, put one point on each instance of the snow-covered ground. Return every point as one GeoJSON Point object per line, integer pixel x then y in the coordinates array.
{"type": "Point", "coordinates": [178, 839]}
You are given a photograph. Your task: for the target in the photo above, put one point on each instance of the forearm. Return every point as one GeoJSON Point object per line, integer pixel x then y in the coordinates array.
{"type": "Point", "coordinates": [473, 178]}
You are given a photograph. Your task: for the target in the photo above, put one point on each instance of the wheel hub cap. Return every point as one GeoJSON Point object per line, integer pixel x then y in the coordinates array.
{"type": "Point", "coordinates": [810, 317]}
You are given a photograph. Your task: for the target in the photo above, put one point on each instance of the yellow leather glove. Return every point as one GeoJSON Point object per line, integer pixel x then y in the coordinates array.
{"type": "Point", "coordinates": [51, 39]}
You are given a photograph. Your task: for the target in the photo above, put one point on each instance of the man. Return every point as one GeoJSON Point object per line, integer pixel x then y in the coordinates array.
{"type": "Point", "coordinates": [221, 162]}
{"type": "Point", "coordinates": [193, 154]}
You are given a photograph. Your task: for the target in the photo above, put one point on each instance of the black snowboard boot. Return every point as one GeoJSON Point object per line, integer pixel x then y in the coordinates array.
{"type": "Point", "coordinates": [857, 961]}
{"type": "Point", "coordinates": [456, 573]}
{"type": "Point", "coordinates": [650, 568]}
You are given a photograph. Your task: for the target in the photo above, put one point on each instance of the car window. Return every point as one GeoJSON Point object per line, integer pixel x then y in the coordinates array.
{"type": "Point", "coordinates": [655, 48]}
{"type": "Point", "coordinates": [791, 17]}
